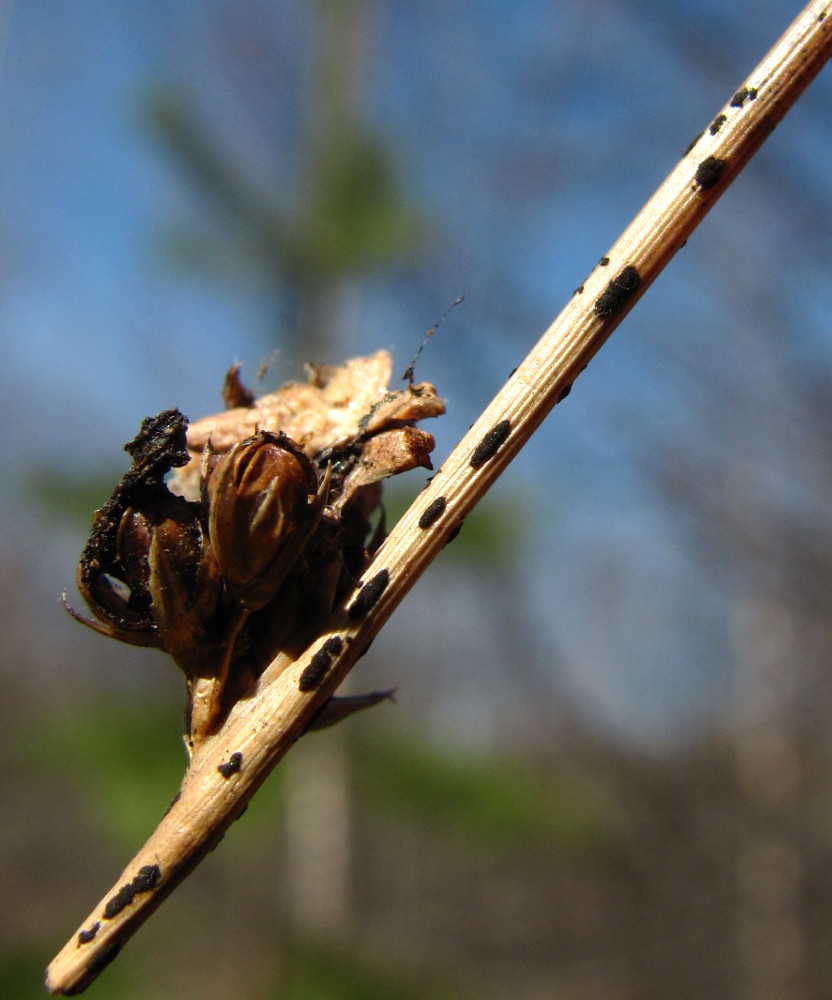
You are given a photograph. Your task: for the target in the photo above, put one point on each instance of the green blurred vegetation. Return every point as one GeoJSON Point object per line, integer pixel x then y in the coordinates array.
{"type": "Point", "coordinates": [127, 756]}
{"type": "Point", "coordinates": [350, 218]}
{"type": "Point", "coordinates": [70, 499]}
{"type": "Point", "coordinates": [494, 806]}
{"type": "Point", "coordinates": [324, 972]}
{"type": "Point", "coordinates": [21, 974]}
{"type": "Point", "coordinates": [130, 756]}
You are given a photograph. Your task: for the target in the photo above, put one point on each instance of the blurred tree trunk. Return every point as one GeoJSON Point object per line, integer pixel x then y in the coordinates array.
{"type": "Point", "coordinates": [770, 943]}
{"type": "Point", "coordinates": [319, 830]}
{"type": "Point", "coordinates": [333, 111]}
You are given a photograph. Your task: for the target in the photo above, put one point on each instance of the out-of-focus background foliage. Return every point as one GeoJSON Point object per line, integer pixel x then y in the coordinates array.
{"type": "Point", "coordinates": [608, 772]}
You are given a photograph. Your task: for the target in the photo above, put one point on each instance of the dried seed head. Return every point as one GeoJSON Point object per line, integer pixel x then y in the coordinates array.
{"type": "Point", "coordinates": [263, 504]}
{"type": "Point", "coordinates": [229, 560]}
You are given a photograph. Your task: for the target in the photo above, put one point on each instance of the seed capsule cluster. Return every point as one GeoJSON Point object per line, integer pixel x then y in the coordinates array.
{"type": "Point", "coordinates": [268, 542]}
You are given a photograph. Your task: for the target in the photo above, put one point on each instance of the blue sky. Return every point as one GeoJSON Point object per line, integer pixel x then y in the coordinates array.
{"type": "Point", "coordinates": [528, 135]}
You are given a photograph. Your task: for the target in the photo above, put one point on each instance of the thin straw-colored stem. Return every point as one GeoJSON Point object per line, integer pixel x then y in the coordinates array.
{"type": "Point", "coordinates": [227, 769]}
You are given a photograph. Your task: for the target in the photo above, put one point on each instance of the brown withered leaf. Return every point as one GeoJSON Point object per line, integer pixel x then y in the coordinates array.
{"type": "Point", "coordinates": [234, 393]}
{"type": "Point", "coordinates": [387, 454]}
{"type": "Point", "coordinates": [334, 414]}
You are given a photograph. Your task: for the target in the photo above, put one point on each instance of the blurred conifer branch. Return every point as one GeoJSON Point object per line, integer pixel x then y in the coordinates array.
{"type": "Point", "coordinates": [227, 769]}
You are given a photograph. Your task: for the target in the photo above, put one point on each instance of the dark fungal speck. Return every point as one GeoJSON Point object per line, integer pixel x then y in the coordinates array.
{"type": "Point", "coordinates": [432, 512]}
{"type": "Point", "coordinates": [115, 904]}
{"type": "Point", "coordinates": [87, 935]}
{"type": "Point", "coordinates": [565, 392]}
{"type": "Point", "coordinates": [144, 881]}
{"type": "Point", "coordinates": [579, 290]}
{"type": "Point", "coordinates": [604, 261]}
{"type": "Point", "coordinates": [314, 671]}
{"type": "Point", "coordinates": [102, 959]}
{"type": "Point", "coordinates": [453, 534]}
{"type": "Point", "coordinates": [369, 595]}
{"type": "Point", "coordinates": [147, 878]}
{"type": "Point", "coordinates": [622, 286]}
{"type": "Point", "coordinates": [822, 16]}
{"type": "Point", "coordinates": [717, 124]}
{"type": "Point", "coordinates": [693, 143]}
{"type": "Point", "coordinates": [232, 765]}
{"type": "Point", "coordinates": [709, 171]}
{"type": "Point", "coordinates": [317, 667]}
{"type": "Point", "coordinates": [490, 444]}
{"type": "Point", "coordinates": [743, 95]}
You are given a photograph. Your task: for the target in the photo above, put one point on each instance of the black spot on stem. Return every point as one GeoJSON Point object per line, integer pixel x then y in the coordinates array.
{"type": "Point", "coordinates": [316, 670]}
{"type": "Point", "coordinates": [709, 171]}
{"type": "Point", "coordinates": [369, 595]}
{"type": "Point", "coordinates": [103, 958]}
{"type": "Point", "coordinates": [617, 292]}
{"type": "Point", "coordinates": [743, 95]}
{"type": "Point", "coordinates": [490, 444]}
{"type": "Point", "coordinates": [432, 512]}
{"type": "Point", "coordinates": [85, 936]}
{"type": "Point", "coordinates": [145, 881]}
{"type": "Point", "coordinates": [232, 765]}
{"type": "Point", "coordinates": [693, 143]}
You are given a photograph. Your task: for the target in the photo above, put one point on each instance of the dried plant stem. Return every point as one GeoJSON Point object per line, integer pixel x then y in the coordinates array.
{"type": "Point", "coordinates": [228, 768]}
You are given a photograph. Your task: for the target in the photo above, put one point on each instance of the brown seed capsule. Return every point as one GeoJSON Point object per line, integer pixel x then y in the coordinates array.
{"type": "Point", "coordinates": [168, 562]}
{"type": "Point", "coordinates": [185, 589]}
{"type": "Point", "coordinates": [113, 572]}
{"type": "Point", "coordinates": [161, 585]}
{"type": "Point", "coordinates": [113, 603]}
{"type": "Point", "coordinates": [263, 504]}
{"type": "Point", "coordinates": [113, 575]}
